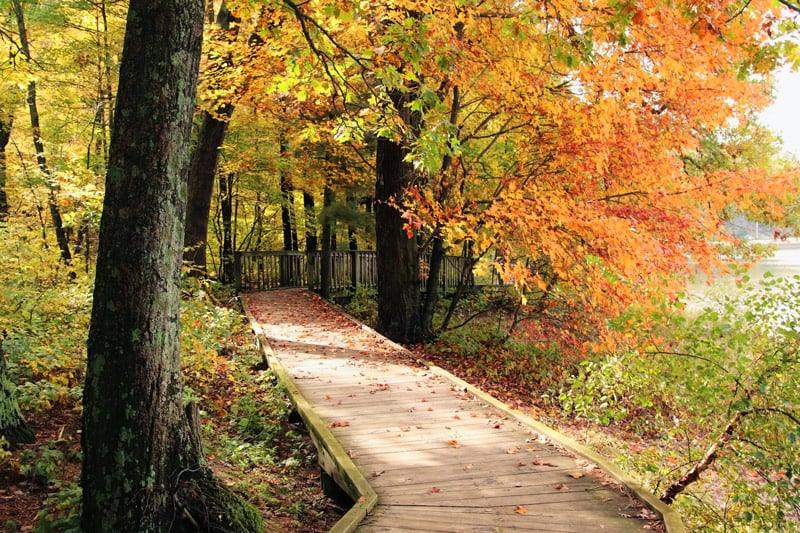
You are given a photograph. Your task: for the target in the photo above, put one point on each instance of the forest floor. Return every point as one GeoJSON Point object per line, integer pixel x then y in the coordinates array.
{"type": "Point", "coordinates": [297, 504]}
{"type": "Point", "coordinates": [39, 482]}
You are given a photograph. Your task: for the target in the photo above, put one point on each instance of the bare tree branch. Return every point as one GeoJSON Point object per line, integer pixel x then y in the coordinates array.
{"type": "Point", "coordinates": [793, 5]}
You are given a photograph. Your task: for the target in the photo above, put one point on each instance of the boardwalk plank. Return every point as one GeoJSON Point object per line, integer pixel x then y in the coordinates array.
{"type": "Point", "coordinates": [483, 519]}
{"type": "Point", "coordinates": [438, 458]}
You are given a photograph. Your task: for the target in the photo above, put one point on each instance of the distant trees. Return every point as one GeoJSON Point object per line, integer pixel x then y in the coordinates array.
{"type": "Point", "coordinates": [36, 129]}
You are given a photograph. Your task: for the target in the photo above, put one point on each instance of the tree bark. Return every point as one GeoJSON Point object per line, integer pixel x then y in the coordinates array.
{"type": "Point", "coordinates": [143, 467]}
{"type": "Point", "coordinates": [202, 171]}
{"type": "Point", "coordinates": [397, 254]}
{"type": "Point", "coordinates": [5, 136]}
{"type": "Point", "coordinates": [41, 160]}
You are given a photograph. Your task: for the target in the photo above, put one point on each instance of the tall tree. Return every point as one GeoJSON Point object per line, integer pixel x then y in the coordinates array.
{"type": "Point", "coordinates": [310, 218]}
{"type": "Point", "coordinates": [41, 160]}
{"type": "Point", "coordinates": [205, 156]}
{"type": "Point", "coordinates": [396, 249]}
{"type": "Point", "coordinates": [143, 465]}
{"type": "Point", "coordinates": [5, 136]}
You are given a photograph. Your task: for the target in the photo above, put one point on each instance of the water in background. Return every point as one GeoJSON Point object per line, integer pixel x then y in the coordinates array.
{"type": "Point", "coordinates": [785, 262]}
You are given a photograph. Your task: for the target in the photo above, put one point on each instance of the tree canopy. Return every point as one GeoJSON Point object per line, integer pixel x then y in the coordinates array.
{"type": "Point", "coordinates": [557, 138]}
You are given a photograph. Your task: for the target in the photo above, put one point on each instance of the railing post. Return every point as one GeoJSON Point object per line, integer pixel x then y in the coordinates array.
{"type": "Point", "coordinates": [355, 272]}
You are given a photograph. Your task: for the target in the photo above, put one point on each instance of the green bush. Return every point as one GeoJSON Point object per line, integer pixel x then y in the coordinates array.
{"type": "Point", "coordinates": [728, 369]}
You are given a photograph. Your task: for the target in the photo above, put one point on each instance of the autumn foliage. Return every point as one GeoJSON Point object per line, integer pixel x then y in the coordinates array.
{"type": "Point", "coordinates": [557, 141]}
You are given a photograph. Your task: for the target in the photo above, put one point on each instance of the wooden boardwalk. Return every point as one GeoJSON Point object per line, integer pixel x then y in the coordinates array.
{"type": "Point", "coordinates": [419, 450]}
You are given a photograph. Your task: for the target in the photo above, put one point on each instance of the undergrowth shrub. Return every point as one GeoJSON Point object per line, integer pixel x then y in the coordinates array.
{"type": "Point", "coordinates": [728, 369]}
{"type": "Point", "coordinates": [44, 317]}
{"type": "Point", "coordinates": [364, 305]}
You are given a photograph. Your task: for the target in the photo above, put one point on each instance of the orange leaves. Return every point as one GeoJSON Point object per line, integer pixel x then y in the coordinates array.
{"type": "Point", "coordinates": [551, 158]}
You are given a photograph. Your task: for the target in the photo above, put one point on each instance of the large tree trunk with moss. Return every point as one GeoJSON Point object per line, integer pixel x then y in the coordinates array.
{"type": "Point", "coordinates": [13, 426]}
{"type": "Point", "coordinates": [143, 467]}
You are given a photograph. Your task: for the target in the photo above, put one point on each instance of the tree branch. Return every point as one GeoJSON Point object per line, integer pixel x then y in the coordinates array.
{"type": "Point", "coordinates": [708, 459]}
{"type": "Point", "coordinates": [794, 6]}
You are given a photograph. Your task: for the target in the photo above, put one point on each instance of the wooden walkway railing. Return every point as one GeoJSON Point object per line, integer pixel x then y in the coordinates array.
{"type": "Point", "coordinates": [258, 271]}
{"type": "Point", "coordinates": [420, 450]}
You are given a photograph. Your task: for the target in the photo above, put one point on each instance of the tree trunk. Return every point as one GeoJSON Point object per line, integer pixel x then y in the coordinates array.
{"type": "Point", "coordinates": [143, 467]}
{"type": "Point", "coordinates": [13, 426]}
{"type": "Point", "coordinates": [326, 265]}
{"type": "Point", "coordinates": [288, 217]}
{"type": "Point", "coordinates": [310, 222]}
{"type": "Point", "coordinates": [352, 232]}
{"type": "Point", "coordinates": [226, 211]}
{"type": "Point", "coordinates": [203, 169]}
{"type": "Point", "coordinates": [201, 185]}
{"type": "Point", "coordinates": [41, 160]}
{"type": "Point", "coordinates": [5, 136]}
{"type": "Point", "coordinates": [701, 466]}
{"type": "Point", "coordinates": [465, 280]}
{"type": "Point", "coordinates": [397, 255]}
{"type": "Point", "coordinates": [432, 286]}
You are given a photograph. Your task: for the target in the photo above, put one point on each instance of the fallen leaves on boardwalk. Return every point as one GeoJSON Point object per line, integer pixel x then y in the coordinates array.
{"type": "Point", "coordinates": [454, 452]}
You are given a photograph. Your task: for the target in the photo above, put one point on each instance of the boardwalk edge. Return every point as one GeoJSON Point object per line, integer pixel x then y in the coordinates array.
{"type": "Point", "coordinates": [333, 458]}
{"type": "Point", "coordinates": [672, 520]}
